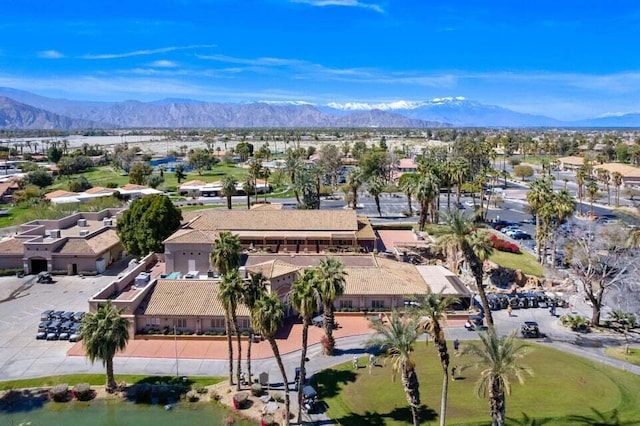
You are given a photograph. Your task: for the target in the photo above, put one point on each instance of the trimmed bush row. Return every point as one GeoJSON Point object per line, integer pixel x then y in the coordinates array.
{"type": "Point", "coordinates": [502, 245]}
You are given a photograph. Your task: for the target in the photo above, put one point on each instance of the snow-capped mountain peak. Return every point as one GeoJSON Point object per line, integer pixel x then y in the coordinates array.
{"type": "Point", "coordinates": [393, 105]}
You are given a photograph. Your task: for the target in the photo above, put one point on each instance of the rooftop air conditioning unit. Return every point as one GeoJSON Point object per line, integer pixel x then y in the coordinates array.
{"type": "Point", "coordinates": [84, 233]}
{"type": "Point", "coordinates": [192, 275]}
{"type": "Point", "coordinates": [107, 221]}
{"type": "Point", "coordinates": [54, 233]}
{"type": "Point", "coordinates": [82, 222]}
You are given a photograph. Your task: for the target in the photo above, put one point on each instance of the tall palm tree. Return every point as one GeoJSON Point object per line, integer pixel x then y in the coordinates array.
{"type": "Point", "coordinates": [305, 299]}
{"type": "Point", "coordinates": [354, 181]}
{"type": "Point", "coordinates": [563, 206]}
{"type": "Point", "coordinates": [376, 186]}
{"type": "Point", "coordinates": [434, 307]}
{"type": "Point", "coordinates": [457, 235]}
{"type": "Point", "coordinates": [458, 172]}
{"type": "Point", "coordinates": [230, 294]}
{"type": "Point", "coordinates": [605, 178]}
{"type": "Point", "coordinates": [268, 316]}
{"type": "Point", "coordinates": [247, 188]}
{"type": "Point", "coordinates": [104, 333]}
{"type": "Point", "coordinates": [398, 338]}
{"type": "Point", "coordinates": [407, 183]}
{"type": "Point", "coordinates": [581, 177]}
{"type": "Point", "coordinates": [254, 288]}
{"type": "Point", "coordinates": [331, 282]}
{"type": "Point", "coordinates": [592, 192]}
{"type": "Point", "coordinates": [498, 359]}
{"type": "Point", "coordinates": [255, 171]}
{"type": "Point", "coordinates": [225, 253]}
{"type": "Point", "coordinates": [427, 190]}
{"type": "Point", "coordinates": [292, 167]}
{"type": "Point", "coordinates": [229, 188]}
{"type": "Point", "coordinates": [617, 182]}
{"type": "Point", "coordinates": [538, 196]}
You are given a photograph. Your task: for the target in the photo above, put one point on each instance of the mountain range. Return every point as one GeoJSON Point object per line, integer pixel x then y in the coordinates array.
{"type": "Point", "coordinates": [25, 110]}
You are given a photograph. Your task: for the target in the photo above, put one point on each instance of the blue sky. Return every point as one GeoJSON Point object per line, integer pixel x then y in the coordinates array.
{"type": "Point", "coordinates": [567, 59]}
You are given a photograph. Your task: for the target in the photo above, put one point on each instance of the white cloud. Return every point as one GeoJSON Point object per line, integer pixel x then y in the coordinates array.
{"type": "Point", "coordinates": [50, 54]}
{"type": "Point", "coordinates": [145, 52]}
{"type": "Point", "coordinates": [346, 3]}
{"type": "Point", "coordinates": [163, 63]}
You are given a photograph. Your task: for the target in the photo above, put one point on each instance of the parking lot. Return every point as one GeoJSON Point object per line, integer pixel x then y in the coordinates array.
{"type": "Point", "coordinates": [22, 300]}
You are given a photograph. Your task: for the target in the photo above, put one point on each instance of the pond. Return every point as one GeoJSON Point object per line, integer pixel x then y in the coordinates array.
{"type": "Point", "coordinates": [119, 413]}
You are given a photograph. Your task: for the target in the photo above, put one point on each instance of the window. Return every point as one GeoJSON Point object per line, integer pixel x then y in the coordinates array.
{"type": "Point", "coordinates": [181, 323]}
{"type": "Point", "coordinates": [243, 324]}
{"type": "Point", "coordinates": [346, 304]}
{"type": "Point", "coordinates": [217, 323]}
{"type": "Point", "coordinates": [153, 321]}
{"type": "Point", "coordinates": [377, 304]}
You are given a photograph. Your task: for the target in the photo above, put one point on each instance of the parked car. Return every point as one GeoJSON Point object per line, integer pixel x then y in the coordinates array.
{"type": "Point", "coordinates": [57, 315]}
{"type": "Point", "coordinates": [530, 329]}
{"type": "Point", "coordinates": [43, 325]}
{"type": "Point", "coordinates": [44, 278]}
{"type": "Point", "coordinates": [64, 336]}
{"type": "Point", "coordinates": [52, 336]}
{"type": "Point", "coordinates": [67, 316]}
{"type": "Point", "coordinates": [77, 316]}
{"type": "Point", "coordinates": [520, 235]}
{"type": "Point", "coordinates": [41, 335]}
{"type": "Point", "coordinates": [74, 337]}
{"type": "Point", "coordinates": [46, 315]}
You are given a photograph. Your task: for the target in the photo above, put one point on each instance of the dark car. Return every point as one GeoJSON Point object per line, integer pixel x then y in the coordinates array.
{"type": "Point", "coordinates": [57, 315]}
{"type": "Point", "coordinates": [520, 236]}
{"type": "Point", "coordinates": [45, 278]}
{"type": "Point", "coordinates": [46, 315]}
{"type": "Point", "coordinates": [66, 326]}
{"type": "Point", "coordinates": [54, 326]}
{"type": "Point", "coordinates": [43, 325]}
{"type": "Point", "coordinates": [530, 329]}
{"type": "Point", "coordinates": [67, 316]}
{"type": "Point", "coordinates": [77, 316]}
{"type": "Point", "coordinates": [64, 336]}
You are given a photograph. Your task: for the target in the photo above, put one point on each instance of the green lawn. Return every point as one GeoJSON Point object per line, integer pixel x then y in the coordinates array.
{"type": "Point", "coordinates": [564, 386]}
{"type": "Point", "coordinates": [633, 356]}
{"type": "Point", "coordinates": [524, 261]}
{"type": "Point", "coordinates": [99, 379]}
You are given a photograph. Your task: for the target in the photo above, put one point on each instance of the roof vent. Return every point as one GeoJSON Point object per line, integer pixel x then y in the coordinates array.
{"type": "Point", "coordinates": [84, 232]}
{"type": "Point", "coordinates": [82, 222]}
{"type": "Point", "coordinates": [54, 233]}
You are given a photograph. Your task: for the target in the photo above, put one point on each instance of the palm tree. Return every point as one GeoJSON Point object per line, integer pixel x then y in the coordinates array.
{"type": "Point", "coordinates": [354, 181]}
{"type": "Point", "coordinates": [581, 177]}
{"type": "Point", "coordinates": [229, 188]}
{"type": "Point", "coordinates": [434, 307]}
{"type": "Point", "coordinates": [605, 178]}
{"type": "Point", "coordinates": [255, 171]}
{"type": "Point", "coordinates": [617, 182]}
{"type": "Point", "coordinates": [331, 282]}
{"type": "Point", "coordinates": [230, 294]}
{"type": "Point", "coordinates": [104, 333]}
{"type": "Point", "coordinates": [254, 288]}
{"type": "Point", "coordinates": [563, 206]}
{"type": "Point", "coordinates": [457, 236]}
{"type": "Point", "coordinates": [376, 186]}
{"type": "Point", "coordinates": [427, 190]}
{"type": "Point", "coordinates": [538, 196]}
{"type": "Point", "coordinates": [398, 338]}
{"type": "Point", "coordinates": [305, 299]}
{"type": "Point", "coordinates": [247, 188]}
{"type": "Point", "coordinates": [225, 253]}
{"type": "Point", "coordinates": [592, 192]}
{"type": "Point", "coordinates": [268, 316]}
{"type": "Point", "coordinates": [292, 167]}
{"type": "Point", "coordinates": [407, 183]}
{"type": "Point", "coordinates": [498, 357]}
{"type": "Point", "coordinates": [458, 171]}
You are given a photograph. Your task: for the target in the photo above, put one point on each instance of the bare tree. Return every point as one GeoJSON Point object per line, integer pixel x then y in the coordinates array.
{"type": "Point", "coordinates": [600, 262]}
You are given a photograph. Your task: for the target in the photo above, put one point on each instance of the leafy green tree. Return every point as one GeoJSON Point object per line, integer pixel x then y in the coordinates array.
{"type": "Point", "coordinates": [458, 230]}
{"type": "Point", "coordinates": [427, 190]}
{"type": "Point", "coordinates": [225, 253]}
{"type": "Point", "coordinates": [39, 178]}
{"type": "Point", "coordinates": [305, 299]}
{"type": "Point", "coordinates": [155, 181]}
{"type": "Point", "coordinates": [254, 288]}
{"type": "Point", "coordinates": [54, 154]}
{"type": "Point", "coordinates": [331, 281]}
{"type": "Point", "coordinates": [201, 160]}
{"type": "Point", "coordinates": [523, 171]}
{"type": "Point", "coordinates": [499, 361]}
{"type": "Point", "coordinates": [398, 338]}
{"type": "Point", "coordinates": [229, 188]}
{"type": "Point", "coordinates": [139, 173]}
{"type": "Point", "coordinates": [230, 294]}
{"type": "Point", "coordinates": [147, 223]}
{"type": "Point", "coordinates": [104, 333]}
{"type": "Point", "coordinates": [433, 317]}
{"type": "Point", "coordinates": [244, 150]}
{"type": "Point", "coordinates": [268, 317]}
{"type": "Point", "coordinates": [79, 185]}
{"type": "Point", "coordinates": [180, 174]}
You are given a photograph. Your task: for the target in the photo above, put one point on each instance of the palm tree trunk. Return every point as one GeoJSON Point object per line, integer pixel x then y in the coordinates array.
{"type": "Point", "coordinates": [248, 201]}
{"type": "Point", "coordinates": [229, 202]}
{"type": "Point", "coordinates": [249, 358]}
{"type": "Point", "coordinates": [538, 239]}
{"type": "Point", "coordinates": [409, 202]}
{"type": "Point", "coordinates": [303, 356]}
{"type": "Point", "coordinates": [111, 380]}
{"type": "Point", "coordinates": [477, 269]}
{"type": "Point", "coordinates": [355, 198]}
{"type": "Point", "coordinates": [497, 407]}
{"type": "Point", "coordinates": [239, 343]}
{"type": "Point", "coordinates": [412, 391]}
{"type": "Point", "coordinates": [229, 348]}
{"type": "Point", "coordinates": [377, 199]}
{"type": "Point", "coordinates": [287, 402]}
{"type": "Point", "coordinates": [449, 198]}
{"type": "Point", "coordinates": [443, 352]}
{"type": "Point", "coordinates": [328, 329]}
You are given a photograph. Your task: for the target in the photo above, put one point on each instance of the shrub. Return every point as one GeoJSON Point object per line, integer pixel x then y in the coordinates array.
{"type": "Point", "coordinates": [502, 245]}
{"type": "Point", "coordinates": [215, 396]}
{"type": "Point", "coordinates": [60, 393]}
{"type": "Point", "coordinates": [10, 272]}
{"type": "Point", "coordinates": [199, 388]}
{"type": "Point", "coordinates": [193, 396]}
{"type": "Point", "coordinates": [83, 392]}
{"type": "Point", "coordinates": [256, 389]}
{"type": "Point", "coordinates": [278, 397]}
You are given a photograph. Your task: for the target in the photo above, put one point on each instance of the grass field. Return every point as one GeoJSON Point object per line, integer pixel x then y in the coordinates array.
{"type": "Point", "coordinates": [524, 261]}
{"type": "Point", "coordinates": [99, 379]}
{"type": "Point", "coordinates": [563, 389]}
{"type": "Point", "coordinates": [633, 356]}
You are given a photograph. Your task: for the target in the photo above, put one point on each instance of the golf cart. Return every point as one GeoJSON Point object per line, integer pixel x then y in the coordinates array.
{"type": "Point", "coordinates": [475, 322]}
{"type": "Point", "coordinates": [530, 329]}
{"type": "Point", "coordinates": [44, 278]}
{"type": "Point", "coordinates": [309, 398]}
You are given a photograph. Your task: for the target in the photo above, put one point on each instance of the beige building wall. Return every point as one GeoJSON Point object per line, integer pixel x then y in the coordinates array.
{"type": "Point", "coordinates": [183, 257]}
{"type": "Point", "coordinates": [194, 324]}
{"type": "Point", "coordinates": [11, 262]}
